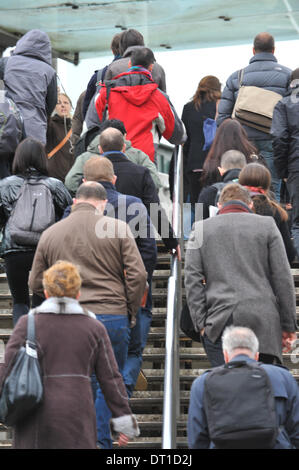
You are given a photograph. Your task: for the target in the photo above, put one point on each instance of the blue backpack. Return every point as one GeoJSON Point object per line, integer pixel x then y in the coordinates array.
{"type": "Point", "coordinates": [209, 131]}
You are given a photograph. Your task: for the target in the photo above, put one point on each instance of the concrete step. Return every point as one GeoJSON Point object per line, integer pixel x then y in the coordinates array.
{"type": "Point", "coordinates": [153, 443]}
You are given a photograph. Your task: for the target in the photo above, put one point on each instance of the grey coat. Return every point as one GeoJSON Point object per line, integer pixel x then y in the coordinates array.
{"type": "Point", "coordinates": [30, 81]}
{"type": "Point", "coordinates": [263, 71]}
{"type": "Point", "coordinates": [243, 261]}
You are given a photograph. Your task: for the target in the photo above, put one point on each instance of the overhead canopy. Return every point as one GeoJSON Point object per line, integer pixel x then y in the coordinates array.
{"type": "Point", "coordinates": [84, 28]}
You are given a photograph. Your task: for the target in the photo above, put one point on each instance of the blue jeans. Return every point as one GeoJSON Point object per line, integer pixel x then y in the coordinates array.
{"type": "Point", "coordinates": [117, 327]}
{"type": "Point", "coordinates": [265, 149]}
{"type": "Point", "coordinates": [138, 340]}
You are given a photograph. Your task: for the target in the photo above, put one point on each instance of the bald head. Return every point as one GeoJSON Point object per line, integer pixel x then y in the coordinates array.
{"type": "Point", "coordinates": [263, 42]}
{"type": "Point", "coordinates": [91, 190]}
{"type": "Point", "coordinates": [111, 140]}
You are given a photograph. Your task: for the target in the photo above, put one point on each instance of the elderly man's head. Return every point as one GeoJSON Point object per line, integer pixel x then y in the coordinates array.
{"type": "Point", "coordinates": [239, 340]}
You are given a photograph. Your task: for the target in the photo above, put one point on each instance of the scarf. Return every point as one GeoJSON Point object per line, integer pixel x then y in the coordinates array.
{"type": "Point", "coordinates": [234, 206]}
{"type": "Point", "coordinates": [255, 189]}
{"type": "Point", "coordinates": [62, 305]}
{"type": "Point", "coordinates": [138, 68]}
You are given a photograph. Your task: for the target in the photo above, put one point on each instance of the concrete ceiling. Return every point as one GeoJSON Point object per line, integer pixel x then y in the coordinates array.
{"type": "Point", "coordinates": [84, 28]}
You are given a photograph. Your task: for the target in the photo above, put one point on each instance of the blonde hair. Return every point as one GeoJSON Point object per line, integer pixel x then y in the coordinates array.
{"type": "Point", "coordinates": [98, 169]}
{"type": "Point", "coordinates": [62, 279]}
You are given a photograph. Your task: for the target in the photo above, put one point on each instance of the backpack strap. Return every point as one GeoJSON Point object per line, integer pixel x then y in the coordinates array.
{"type": "Point", "coordinates": [108, 89]}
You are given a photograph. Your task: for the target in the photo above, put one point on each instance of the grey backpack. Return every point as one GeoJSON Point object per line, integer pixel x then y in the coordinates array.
{"type": "Point", "coordinates": [32, 213]}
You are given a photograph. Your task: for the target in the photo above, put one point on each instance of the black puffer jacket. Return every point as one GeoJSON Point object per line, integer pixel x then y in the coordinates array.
{"type": "Point", "coordinates": [9, 191]}
{"type": "Point", "coordinates": [263, 71]}
{"type": "Point", "coordinates": [285, 134]}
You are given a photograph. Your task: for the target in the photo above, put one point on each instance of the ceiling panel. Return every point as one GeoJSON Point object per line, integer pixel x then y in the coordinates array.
{"type": "Point", "coordinates": [87, 27]}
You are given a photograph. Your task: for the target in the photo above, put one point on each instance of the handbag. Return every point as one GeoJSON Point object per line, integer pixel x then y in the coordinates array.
{"type": "Point", "coordinates": [254, 106]}
{"type": "Point", "coordinates": [22, 391]}
{"type": "Point", "coordinates": [187, 326]}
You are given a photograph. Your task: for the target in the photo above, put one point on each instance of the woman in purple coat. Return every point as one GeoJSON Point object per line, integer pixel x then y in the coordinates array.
{"type": "Point", "coordinates": [72, 345]}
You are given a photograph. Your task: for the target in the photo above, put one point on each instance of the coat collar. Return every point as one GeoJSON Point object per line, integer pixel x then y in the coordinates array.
{"type": "Point", "coordinates": [116, 156]}
{"type": "Point", "coordinates": [63, 305]}
{"type": "Point", "coordinates": [83, 206]}
{"type": "Point", "coordinates": [234, 206]}
{"type": "Point", "coordinates": [231, 174]}
{"type": "Point", "coordinates": [262, 56]}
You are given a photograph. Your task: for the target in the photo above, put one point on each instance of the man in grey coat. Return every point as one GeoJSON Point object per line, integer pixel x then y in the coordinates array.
{"type": "Point", "coordinates": [30, 81]}
{"type": "Point", "coordinates": [237, 272]}
{"type": "Point", "coordinates": [264, 72]}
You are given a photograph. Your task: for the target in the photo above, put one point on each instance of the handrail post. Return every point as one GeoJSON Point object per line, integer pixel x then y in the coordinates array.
{"type": "Point", "coordinates": [171, 401]}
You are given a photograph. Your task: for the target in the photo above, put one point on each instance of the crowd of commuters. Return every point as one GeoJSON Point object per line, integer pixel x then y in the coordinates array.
{"type": "Point", "coordinates": [89, 258]}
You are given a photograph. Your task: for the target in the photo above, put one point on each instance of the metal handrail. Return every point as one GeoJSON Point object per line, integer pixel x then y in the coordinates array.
{"type": "Point", "coordinates": [171, 400]}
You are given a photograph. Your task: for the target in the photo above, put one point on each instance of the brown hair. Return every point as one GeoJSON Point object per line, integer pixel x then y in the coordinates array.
{"type": "Point", "coordinates": [230, 135]}
{"type": "Point", "coordinates": [234, 192]}
{"type": "Point", "coordinates": [114, 46]}
{"type": "Point", "coordinates": [98, 169]}
{"type": "Point", "coordinates": [209, 89]}
{"type": "Point", "coordinates": [62, 280]}
{"type": "Point", "coordinates": [258, 176]}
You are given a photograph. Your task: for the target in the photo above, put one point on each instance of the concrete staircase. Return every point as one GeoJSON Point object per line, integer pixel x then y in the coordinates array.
{"type": "Point", "coordinates": [147, 405]}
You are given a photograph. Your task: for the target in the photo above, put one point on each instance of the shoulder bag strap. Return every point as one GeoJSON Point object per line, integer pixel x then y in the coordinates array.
{"type": "Point", "coordinates": [30, 343]}
{"type": "Point", "coordinates": [240, 77]}
{"type": "Point", "coordinates": [61, 144]}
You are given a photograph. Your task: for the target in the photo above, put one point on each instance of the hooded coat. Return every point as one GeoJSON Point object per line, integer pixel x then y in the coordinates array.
{"type": "Point", "coordinates": [30, 81]}
{"type": "Point", "coordinates": [121, 65]}
{"type": "Point", "coordinates": [145, 110]}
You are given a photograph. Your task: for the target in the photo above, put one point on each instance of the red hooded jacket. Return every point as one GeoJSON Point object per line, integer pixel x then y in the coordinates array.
{"type": "Point", "coordinates": [145, 110]}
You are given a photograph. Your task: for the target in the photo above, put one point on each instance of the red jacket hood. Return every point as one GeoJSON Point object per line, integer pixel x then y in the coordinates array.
{"type": "Point", "coordinates": [135, 87]}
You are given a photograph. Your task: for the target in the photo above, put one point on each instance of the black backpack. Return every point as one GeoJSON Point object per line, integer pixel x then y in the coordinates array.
{"type": "Point", "coordinates": [84, 141]}
{"type": "Point", "coordinates": [33, 212]}
{"type": "Point", "coordinates": [240, 407]}
{"type": "Point", "coordinates": [11, 125]}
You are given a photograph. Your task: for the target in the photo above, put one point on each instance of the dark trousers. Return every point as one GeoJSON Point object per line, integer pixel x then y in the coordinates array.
{"type": "Point", "coordinates": [215, 354]}
{"type": "Point", "coordinates": [195, 185]}
{"type": "Point", "coordinates": [18, 266]}
{"type": "Point", "coordinates": [293, 188]}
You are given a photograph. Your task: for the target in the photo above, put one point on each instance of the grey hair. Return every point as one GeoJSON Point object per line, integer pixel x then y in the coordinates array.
{"type": "Point", "coordinates": [232, 159]}
{"type": "Point", "coordinates": [239, 337]}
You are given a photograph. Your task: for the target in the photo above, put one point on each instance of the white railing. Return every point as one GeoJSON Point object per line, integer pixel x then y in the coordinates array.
{"type": "Point", "coordinates": [171, 401]}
